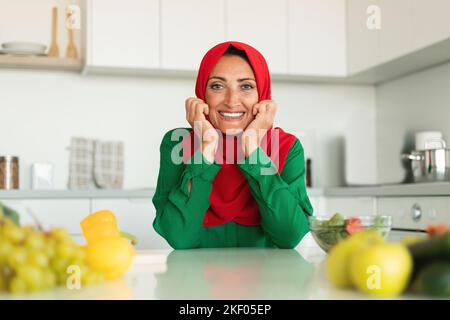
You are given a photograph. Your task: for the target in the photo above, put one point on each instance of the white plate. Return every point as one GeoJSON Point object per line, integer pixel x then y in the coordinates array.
{"type": "Point", "coordinates": [22, 52]}
{"type": "Point", "coordinates": [25, 46]}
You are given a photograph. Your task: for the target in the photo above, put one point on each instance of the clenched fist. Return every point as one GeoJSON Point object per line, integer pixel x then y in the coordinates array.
{"type": "Point", "coordinates": [196, 112]}
{"type": "Point", "coordinates": [264, 112]}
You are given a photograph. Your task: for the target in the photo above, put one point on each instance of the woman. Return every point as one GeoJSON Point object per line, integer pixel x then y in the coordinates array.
{"type": "Point", "coordinates": [241, 183]}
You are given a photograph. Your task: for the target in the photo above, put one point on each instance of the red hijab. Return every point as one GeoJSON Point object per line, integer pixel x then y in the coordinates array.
{"type": "Point", "coordinates": [231, 198]}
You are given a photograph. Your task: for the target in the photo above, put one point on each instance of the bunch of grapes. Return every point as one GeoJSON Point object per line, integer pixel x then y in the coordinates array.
{"type": "Point", "coordinates": [32, 260]}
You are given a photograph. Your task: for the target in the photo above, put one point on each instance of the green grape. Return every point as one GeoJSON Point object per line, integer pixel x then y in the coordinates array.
{"type": "Point", "coordinates": [60, 234]}
{"type": "Point", "coordinates": [35, 241]}
{"type": "Point", "coordinates": [49, 278]}
{"type": "Point", "coordinates": [13, 233]}
{"type": "Point", "coordinates": [32, 276]}
{"type": "Point", "coordinates": [5, 249]}
{"type": "Point", "coordinates": [59, 265]}
{"type": "Point", "coordinates": [3, 282]}
{"type": "Point", "coordinates": [37, 258]}
{"type": "Point", "coordinates": [17, 285]}
{"type": "Point", "coordinates": [17, 257]}
{"type": "Point", "coordinates": [49, 248]}
{"type": "Point", "coordinates": [64, 250]}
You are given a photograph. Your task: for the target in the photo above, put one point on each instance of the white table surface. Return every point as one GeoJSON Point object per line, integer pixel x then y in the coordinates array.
{"type": "Point", "coordinates": [216, 274]}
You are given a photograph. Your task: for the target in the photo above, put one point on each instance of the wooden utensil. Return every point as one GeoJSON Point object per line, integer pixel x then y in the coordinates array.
{"type": "Point", "coordinates": [53, 51]}
{"type": "Point", "coordinates": [71, 51]}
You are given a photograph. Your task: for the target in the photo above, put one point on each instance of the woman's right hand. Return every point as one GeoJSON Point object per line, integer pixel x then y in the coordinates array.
{"type": "Point", "coordinates": [196, 112]}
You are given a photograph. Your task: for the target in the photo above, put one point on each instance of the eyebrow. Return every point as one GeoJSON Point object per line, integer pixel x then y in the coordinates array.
{"type": "Point", "coordinates": [239, 80]}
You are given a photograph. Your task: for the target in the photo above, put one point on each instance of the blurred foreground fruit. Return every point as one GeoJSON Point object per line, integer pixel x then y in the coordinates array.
{"type": "Point", "coordinates": [381, 269]}
{"type": "Point", "coordinates": [338, 260]}
{"type": "Point", "coordinates": [33, 260]}
{"type": "Point", "coordinates": [107, 251]}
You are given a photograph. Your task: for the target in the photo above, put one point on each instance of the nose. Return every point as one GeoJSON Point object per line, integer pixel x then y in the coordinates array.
{"type": "Point", "coordinates": [232, 98]}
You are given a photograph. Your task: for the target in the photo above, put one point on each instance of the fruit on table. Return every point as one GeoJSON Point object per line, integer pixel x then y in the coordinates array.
{"type": "Point", "coordinates": [431, 255]}
{"type": "Point", "coordinates": [338, 260]}
{"type": "Point", "coordinates": [32, 260]}
{"type": "Point", "coordinates": [107, 251]}
{"type": "Point", "coordinates": [381, 269]}
{"type": "Point", "coordinates": [434, 279]}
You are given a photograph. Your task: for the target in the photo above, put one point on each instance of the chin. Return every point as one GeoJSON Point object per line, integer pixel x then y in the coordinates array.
{"type": "Point", "coordinates": [232, 130]}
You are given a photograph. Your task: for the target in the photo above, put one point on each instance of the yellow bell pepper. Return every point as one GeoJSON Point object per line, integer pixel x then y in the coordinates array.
{"type": "Point", "coordinates": [106, 250]}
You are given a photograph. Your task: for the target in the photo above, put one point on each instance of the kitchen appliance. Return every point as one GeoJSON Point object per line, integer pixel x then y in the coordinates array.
{"type": "Point", "coordinates": [430, 165]}
{"type": "Point", "coordinates": [41, 176]}
{"type": "Point", "coordinates": [9, 172]}
{"type": "Point", "coordinates": [427, 140]}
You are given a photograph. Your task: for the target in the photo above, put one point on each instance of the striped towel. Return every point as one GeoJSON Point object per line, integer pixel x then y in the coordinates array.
{"type": "Point", "coordinates": [108, 164]}
{"type": "Point", "coordinates": [81, 169]}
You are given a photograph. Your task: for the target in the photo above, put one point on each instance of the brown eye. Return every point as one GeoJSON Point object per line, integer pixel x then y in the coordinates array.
{"type": "Point", "coordinates": [216, 86]}
{"type": "Point", "coordinates": [247, 87]}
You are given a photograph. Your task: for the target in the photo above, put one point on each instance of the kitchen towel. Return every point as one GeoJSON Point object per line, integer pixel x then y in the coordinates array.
{"type": "Point", "coordinates": [81, 166]}
{"type": "Point", "coordinates": [108, 164]}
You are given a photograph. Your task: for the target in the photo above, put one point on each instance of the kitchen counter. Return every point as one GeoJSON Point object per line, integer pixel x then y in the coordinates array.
{"type": "Point", "coordinates": [393, 190]}
{"type": "Point", "coordinates": [235, 273]}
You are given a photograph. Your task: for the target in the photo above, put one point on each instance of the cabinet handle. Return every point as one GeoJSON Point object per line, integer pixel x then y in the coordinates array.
{"type": "Point", "coordinates": [416, 212]}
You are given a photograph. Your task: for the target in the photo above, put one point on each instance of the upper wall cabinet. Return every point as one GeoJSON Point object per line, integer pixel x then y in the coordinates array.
{"type": "Point", "coordinates": [405, 28]}
{"type": "Point", "coordinates": [431, 22]}
{"type": "Point", "coordinates": [396, 36]}
{"type": "Point", "coordinates": [188, 30]}
{"type": "Point", "coordinates": [317, 39]}
{"type": "Point", "coordinates": [362, 39]}
{"type": "Point", "coordinates": [263, 25]}
{"type": "Point", "coordinates": [123, 34]}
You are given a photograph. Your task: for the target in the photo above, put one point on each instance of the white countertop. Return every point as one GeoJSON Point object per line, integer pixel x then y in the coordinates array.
{"type": "Point", "coordinates": [392, 190]}
{"type": "Point", "coordinates": [222, 274]}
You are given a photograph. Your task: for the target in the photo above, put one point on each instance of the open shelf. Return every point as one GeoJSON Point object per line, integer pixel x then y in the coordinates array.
{"type": "Point", "coordinates": [40, 62]}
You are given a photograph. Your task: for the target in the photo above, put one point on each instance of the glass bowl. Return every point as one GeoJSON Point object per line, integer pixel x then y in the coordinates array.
{"type": "Point", "coordinates": [329, 230]}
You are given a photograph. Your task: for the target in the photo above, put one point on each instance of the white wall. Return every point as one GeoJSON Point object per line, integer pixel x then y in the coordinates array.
{"type": "Point", "coordinates": [414, 103]}
{"type": "Point", "coordinates": [41, 110]}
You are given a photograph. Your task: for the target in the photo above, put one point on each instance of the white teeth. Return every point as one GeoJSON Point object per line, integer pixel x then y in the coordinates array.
{"type": "Point", "coordinates": [232, 114]}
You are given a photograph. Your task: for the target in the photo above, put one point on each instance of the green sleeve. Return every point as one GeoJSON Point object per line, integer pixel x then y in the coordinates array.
{"type": "Point", "coordinates": [283, 201]}
{"type": "Point", "coordinates": [180, 213]}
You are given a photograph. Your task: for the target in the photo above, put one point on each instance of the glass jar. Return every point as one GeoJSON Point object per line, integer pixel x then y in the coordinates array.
{"type": "Point", "coordinates": [9, 172]}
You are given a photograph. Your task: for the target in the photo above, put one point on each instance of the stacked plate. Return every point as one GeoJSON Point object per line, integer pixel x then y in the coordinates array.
{"type": "Point", "coordinates": [23, 48]}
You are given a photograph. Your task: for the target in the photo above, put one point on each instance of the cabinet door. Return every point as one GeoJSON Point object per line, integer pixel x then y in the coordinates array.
{"type": "Point", "coordinates": [431, 21]}
{"type": "Point", "coordinates": [350, 206]}
{"type": "Point", "coordinates": [415, 213]}
{"type": "Point", "coordinates": [136, 217]}
{"type": "Point", "coordinates": [188, 30]}
{"type": "Point", "coordinates": [317, 37]}
{"type": "Point", "coordinates": [123, 34]}
{"type": "Point", "coordinates": [396, 37]}
{"type": "Point", "coordinates": [51, 213]}
{"type": "Point", "coordinates": [263, 25]}
{"type": "Point", "coordinates": [362, 39]}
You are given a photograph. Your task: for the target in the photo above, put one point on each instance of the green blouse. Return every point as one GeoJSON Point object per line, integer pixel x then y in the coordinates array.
{"type": "Point", "coordinates": [282, 198]}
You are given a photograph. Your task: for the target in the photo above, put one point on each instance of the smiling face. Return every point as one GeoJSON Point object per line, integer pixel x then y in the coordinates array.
{"type": "Point", "coordinates": [231, 93]}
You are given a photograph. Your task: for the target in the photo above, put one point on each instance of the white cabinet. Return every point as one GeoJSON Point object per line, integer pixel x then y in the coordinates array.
{"type": "Point", "coordinates": [136, 217]}
{"type": "Point", "coordinates": [317, 37]}
{"type": "Point", "coordinates": [415, 213]}
{"type": "Point", "coordinates": [188, 30]}
{"type": "Point", "coordinates": [362, 34]}
{"type": "Point", "coordinates": [50, 213]}
{"type": "Point", "coordinates": [396, 37]}
{"type": "Point", "coordinates": [123, 34]}
{"type": "Point", "coordinates": [431, 22]}
{"type": "Point", "coordinates": [263, 25]}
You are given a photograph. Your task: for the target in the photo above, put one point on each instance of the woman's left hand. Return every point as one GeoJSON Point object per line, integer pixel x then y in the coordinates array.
{"type": "Point", "coordinates": [264, 112]}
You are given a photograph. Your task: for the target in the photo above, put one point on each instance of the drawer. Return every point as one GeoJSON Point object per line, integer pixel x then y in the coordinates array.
{"type": "Point", "coordinates": [415, 213]}
{"type": "Point", "coordinates": [349, 206]}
